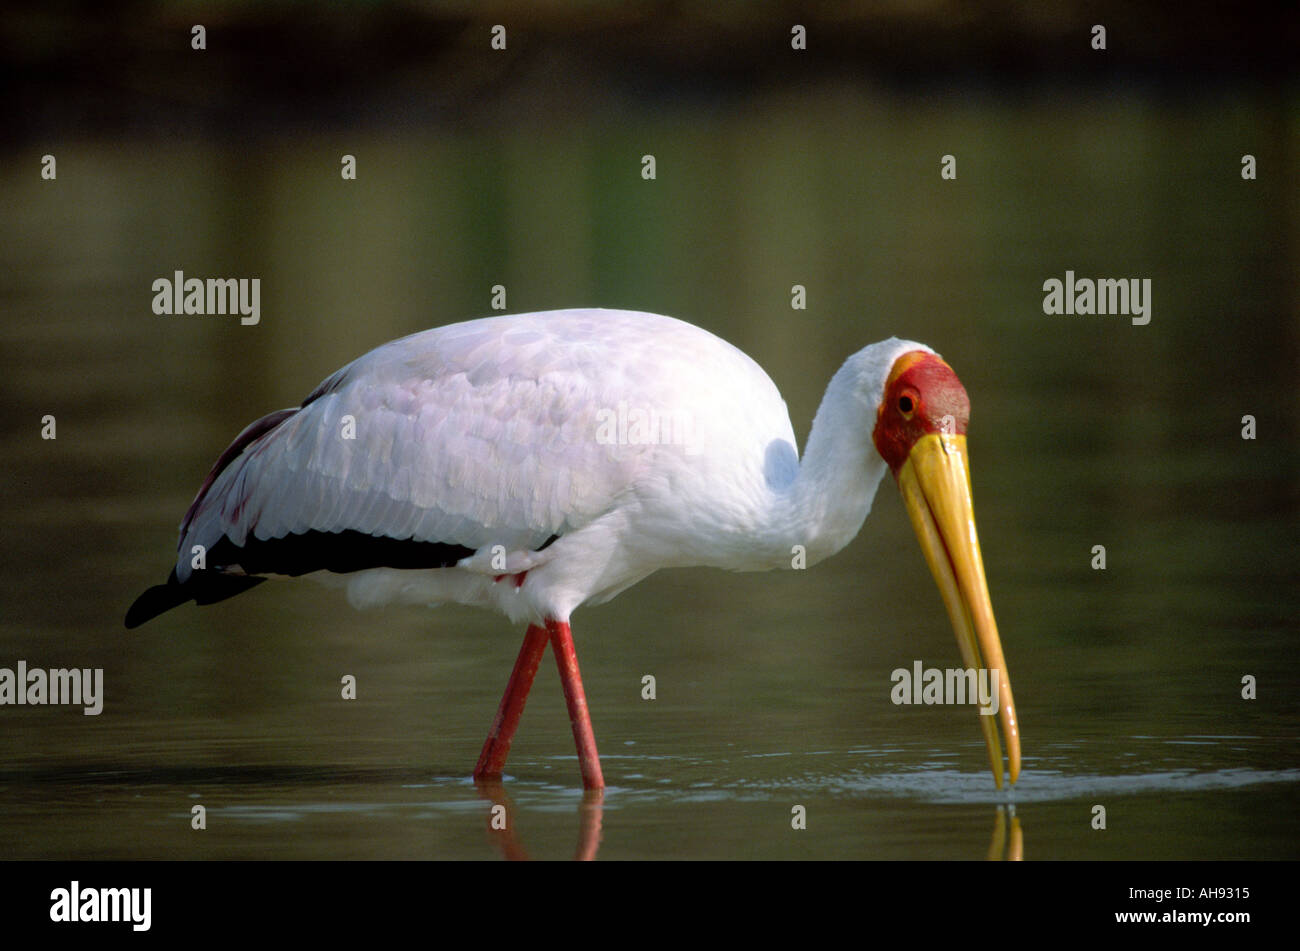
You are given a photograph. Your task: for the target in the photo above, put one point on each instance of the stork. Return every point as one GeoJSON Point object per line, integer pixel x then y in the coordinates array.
{"type": "Point", "coordinates": [533, 463]}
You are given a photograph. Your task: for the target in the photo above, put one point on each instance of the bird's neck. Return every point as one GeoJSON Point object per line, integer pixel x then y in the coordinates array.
{"type": "Point", "coordinates": [826, 504]}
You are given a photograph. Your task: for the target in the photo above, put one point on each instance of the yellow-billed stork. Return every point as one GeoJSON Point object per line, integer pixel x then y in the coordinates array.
{"type": "Point", "coordinates": [536, 462]}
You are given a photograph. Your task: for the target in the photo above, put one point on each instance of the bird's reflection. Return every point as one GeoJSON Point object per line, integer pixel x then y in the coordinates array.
{"type": "Point", "coordinates": [1008, 844]}
{"type": "Point", "coordinates": [502, 814]}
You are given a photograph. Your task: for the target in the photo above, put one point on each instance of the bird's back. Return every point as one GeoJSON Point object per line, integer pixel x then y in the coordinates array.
{"type": "Point", "coordinates": [510, 431]}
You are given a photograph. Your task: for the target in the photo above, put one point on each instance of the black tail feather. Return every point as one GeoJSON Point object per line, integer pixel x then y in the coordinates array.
{"type": "Point", "coordinates": [296, 554]}
{"type": "Point", "coordinates": [202, 588]}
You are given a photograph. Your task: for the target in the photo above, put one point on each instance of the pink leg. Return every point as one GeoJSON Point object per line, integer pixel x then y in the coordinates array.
{"type": "Point", "coordinates": [567, 659]}
{"type": "Point", "coordinates": [493, 758]}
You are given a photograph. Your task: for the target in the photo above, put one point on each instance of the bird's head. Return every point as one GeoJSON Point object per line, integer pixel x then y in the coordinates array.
{"type": "Point", "coordinates": [920, 432]}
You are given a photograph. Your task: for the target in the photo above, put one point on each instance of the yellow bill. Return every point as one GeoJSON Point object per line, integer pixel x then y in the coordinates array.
{"type": "Point", "coordinates": [935, 482]}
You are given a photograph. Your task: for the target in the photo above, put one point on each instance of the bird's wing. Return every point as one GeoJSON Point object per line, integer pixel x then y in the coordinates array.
{"type": "Point", "coordinates": [466, 436]}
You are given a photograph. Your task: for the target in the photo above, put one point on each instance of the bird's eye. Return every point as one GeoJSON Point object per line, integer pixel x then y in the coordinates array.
{"type": "Point", "coordinates": [905, 405]}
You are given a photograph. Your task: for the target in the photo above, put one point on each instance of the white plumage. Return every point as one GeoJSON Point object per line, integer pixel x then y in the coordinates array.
{"type": "Point", "coordinates": [497, 434]}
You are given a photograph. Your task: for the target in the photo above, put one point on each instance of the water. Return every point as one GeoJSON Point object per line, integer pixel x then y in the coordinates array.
{"type": "Point", "coordinates": [772, 691]}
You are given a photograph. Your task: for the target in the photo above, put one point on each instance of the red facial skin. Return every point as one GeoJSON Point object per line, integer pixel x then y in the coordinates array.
{"type": "Point", "coordinates": [920, 392]}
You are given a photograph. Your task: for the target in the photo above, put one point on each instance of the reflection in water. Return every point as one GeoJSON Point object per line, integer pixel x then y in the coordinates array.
{"type": "Point", "coordinates": [502, 822]}
{"type": "Point", "coordinates": [336, 811]}
{"type": "Point", "coordinates": [1000, 849]}
{"type": "Point", "coordinates": [591, 812]}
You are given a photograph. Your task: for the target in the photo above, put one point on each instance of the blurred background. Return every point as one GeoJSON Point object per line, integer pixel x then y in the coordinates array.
{"type": "Point", "coordinates": [774, 166]}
